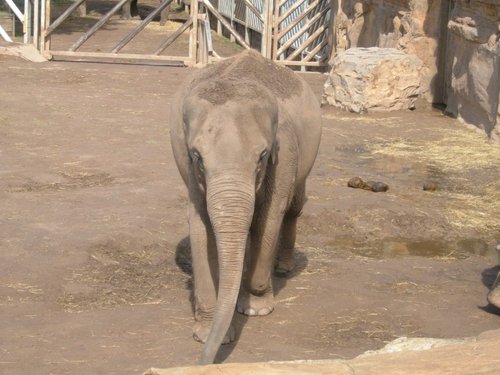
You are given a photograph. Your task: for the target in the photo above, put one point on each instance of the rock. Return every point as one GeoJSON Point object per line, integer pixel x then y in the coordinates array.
{"type": "Point", "coordinates": [473, 58]}
{"type": "Point", "coordinates": [378, 79]}
{"type": "Point", "coordinates": [356, 183]}
{"type": "Point", "coordinates": [458, 43]}
{"type": "Point", "coordinates": [430, 186]}
{"type": "Point", "coordinates": [413, 356]}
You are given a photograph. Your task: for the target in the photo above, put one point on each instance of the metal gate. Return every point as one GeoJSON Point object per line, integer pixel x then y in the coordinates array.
{"type": "Point", "coordinates": [290, 32]}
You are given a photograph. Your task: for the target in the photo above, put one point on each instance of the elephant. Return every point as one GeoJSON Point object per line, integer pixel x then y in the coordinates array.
{"type": "Point", "coordinates": [245, 133]}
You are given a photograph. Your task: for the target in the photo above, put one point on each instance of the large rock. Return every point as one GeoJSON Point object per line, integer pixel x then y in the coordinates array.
{"type": "Point", "coordinates": [405, 357]}
{"type": "Point", "coordinates": [379, 79]}
{"type": "Point", "coordinates": [413, 26]}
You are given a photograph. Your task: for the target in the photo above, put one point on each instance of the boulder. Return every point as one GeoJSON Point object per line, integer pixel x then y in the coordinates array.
{"type": "Point", "coordinates": [375, 79]}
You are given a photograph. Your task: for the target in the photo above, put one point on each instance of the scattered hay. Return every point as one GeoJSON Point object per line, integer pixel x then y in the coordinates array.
{"type": "Point", "coordinates": [122, 274]}
{"type": "Point", "coordinates": [457, 160]}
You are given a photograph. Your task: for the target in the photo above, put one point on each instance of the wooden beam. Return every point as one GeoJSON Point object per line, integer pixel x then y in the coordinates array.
{"type": "Point", "coordinates": [254, 10]}
{"type": "Point", "coordinates": [306, 43]}
{"type": "Point", "coordinates": [301, 63]}
{"type": "Point", "coordinates": [315, 50]}
{"type": "Point", "coordinates": [173, 37]}
{"type": "Point", "coordinates": [311, 7]}
{"type": "Point", "coordinates": [193, 34]}
{"type": "Point", "coordinates": [122, 43]}
{"type": "Point", "coordinates": [96, 56]}
{"type": "Point", "coordinates": [63, 17]}
{"type": "Point", "coordinates": [297, 35]}
{"type": "Point", "coordinates": [226, 24]}
{"type": "Point", "coordinates": [97, 26]}
{"type": "Point", "coordinates": [291, 10]}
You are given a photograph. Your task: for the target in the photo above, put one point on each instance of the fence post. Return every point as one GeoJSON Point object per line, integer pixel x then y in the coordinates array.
{"type": "Point", "coordinates": [193, 35]}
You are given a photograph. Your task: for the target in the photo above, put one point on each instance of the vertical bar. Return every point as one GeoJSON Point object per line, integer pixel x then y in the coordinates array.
{"type": "Point", "coordinates": [45, 22]}
{"type": "Point", "coordinates": [26, 21]}
{"type": "Point", "coordinates": [193, 36]}
{"type": "Point", "coordinates": [36, 24]}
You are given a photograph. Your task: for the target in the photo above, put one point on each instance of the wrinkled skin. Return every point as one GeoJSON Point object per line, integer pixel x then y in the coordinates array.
{"type": "Point", "coordinates": [244, 158]}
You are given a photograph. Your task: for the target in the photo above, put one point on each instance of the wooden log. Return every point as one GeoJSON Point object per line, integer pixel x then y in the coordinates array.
{"type": "Point", "coordinates": [63, 17]}
{"type": "Point", "coordinates": [193, 35]}
{"type": "Point", "coordinates": [97, 26]}
{"type": "Point", "coordinates": [301, 63]}
{"type": "Point", "coordinates": [173, 37]}
{"type": "Point", "coordinates": [122, 43]}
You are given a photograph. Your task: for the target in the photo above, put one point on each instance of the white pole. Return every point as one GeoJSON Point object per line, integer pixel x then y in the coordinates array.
{"type": "Point", "coordinates": [26, 22]}
{"type": "Point", "coordinates": [36, 24]}
{"type": "Point", "coordinates": [16, 10]}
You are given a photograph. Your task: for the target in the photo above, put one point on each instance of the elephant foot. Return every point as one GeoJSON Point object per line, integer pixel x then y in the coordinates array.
{"type": "Point", "coordinates": [201, 330]}
{"type": "Point", "coordinates": [494, 296]}
{"type": "Point", "coordinates": [253, 305]}
{"type": "Point", "coordinates": [284, 266]}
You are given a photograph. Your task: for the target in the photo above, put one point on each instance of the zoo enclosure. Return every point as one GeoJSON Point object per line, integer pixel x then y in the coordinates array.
{"type": "Point", "coordinates": [291, 32]}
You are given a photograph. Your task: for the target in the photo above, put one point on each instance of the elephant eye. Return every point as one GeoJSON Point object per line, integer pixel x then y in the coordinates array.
{"type": "Point", "coordinates": [196, 159]}
{"type": "Point", "coordinates": [263, 155]}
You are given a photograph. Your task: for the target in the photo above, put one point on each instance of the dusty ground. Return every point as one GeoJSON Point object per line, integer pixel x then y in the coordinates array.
{"type": "Point", "coordinates": [94, 261]}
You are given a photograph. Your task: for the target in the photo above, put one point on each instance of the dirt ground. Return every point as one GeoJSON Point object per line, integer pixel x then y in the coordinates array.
{"type": "Point", "coordinates": [94, 261]}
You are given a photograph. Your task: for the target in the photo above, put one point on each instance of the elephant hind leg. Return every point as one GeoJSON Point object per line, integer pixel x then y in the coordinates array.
{"type": "Point", "coordinates": [285, 262]}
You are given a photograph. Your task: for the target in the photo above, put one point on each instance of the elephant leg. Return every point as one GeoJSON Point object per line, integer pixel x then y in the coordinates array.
{"type": "Point", "coordinates": [205, 272]}
{"type": "Point", "coordinates": [286, 260]}
{"type": "Point", "coordinates": [126, 11]}
{"type": "Point", "coordinates": [257, 297]}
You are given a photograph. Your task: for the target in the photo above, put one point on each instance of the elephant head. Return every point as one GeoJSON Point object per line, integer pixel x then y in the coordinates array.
{"type": "Point", "coordinates": [231, 144]}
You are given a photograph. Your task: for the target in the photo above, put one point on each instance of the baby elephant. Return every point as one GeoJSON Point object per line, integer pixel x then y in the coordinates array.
{"type": "Point", "coordinates": [245, 133]}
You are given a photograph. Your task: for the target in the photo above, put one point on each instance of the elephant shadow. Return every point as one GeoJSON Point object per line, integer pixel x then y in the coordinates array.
{"type": "Point", "coordinates": [184, 262]}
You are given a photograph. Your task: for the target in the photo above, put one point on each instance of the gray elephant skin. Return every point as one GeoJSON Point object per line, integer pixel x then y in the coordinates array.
{"type": "Point", "coordinates": [245, 133]}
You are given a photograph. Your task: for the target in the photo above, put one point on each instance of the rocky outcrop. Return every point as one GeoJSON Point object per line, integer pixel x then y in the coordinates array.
{"type": "Point", "coordinates": [405, 357]}
{"type": "Point", "coordinates": [458, 43]}
{"type": "Point", "coordinates": [473, 63]}
{"type": "Point", "coordinates": [413, 26]}
{"type": "Point", "coordinates": [380, 79]}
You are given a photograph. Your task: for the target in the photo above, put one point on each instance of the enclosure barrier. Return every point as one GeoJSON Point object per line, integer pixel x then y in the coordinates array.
{"type": "Point", "coordinates": [29, 18]}
{"type": "Point", "coordinates": [290, 32]}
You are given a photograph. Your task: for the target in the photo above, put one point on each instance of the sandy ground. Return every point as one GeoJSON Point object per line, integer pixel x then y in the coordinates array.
{"type": "Point", "coordinates": [94, 260]}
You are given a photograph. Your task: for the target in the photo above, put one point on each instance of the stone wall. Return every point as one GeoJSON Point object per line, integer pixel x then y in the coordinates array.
{"type": "Point", "coordinates": [473, 64]}
{"type": "Point", "coordinates": [457, 40]}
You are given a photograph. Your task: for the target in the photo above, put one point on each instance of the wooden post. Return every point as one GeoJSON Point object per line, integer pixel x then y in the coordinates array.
{"type": "Point", "coordinates": [202, 56]}
{"type": "Point", "coordinates": [267, 29]}
{"type": "Point", "coordinates": [36, 24]}
{"type": "Point", "coordinates": [45, 22]}
{"type": "Point", "coordinates": [193, 35]}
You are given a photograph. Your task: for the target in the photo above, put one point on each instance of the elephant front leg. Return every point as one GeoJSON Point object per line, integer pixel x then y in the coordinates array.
{"type": "Point", "coordinates": [205, 274]}
{"type": "Point", "coordinates": [257, 297]}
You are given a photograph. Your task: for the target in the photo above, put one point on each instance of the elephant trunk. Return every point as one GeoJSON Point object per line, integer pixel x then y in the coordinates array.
{"type": "Point", "coordinates": [230, 204]}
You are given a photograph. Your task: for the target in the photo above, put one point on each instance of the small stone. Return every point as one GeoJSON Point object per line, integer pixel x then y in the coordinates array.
{"type": "Point", "coordinates": [430, 186]}
{"type": "Point", "coordinates": [380, 187]}
{"type": "Point", "coordinates": [356, 183]}
{"type": "Point", "coordinates": [369, 185]}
